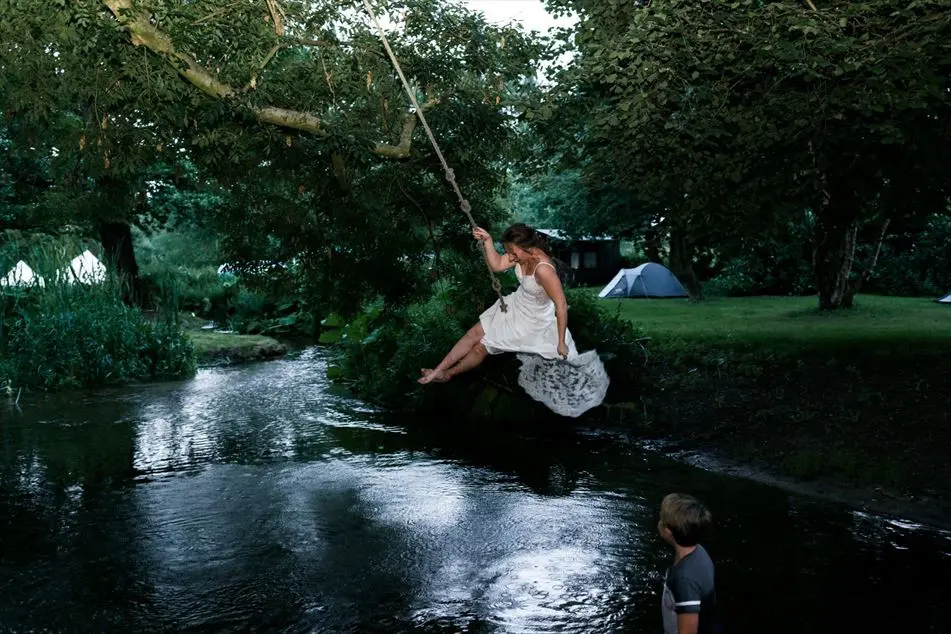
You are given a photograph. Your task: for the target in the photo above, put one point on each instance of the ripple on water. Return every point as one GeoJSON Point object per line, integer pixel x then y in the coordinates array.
{"type": "Point", "coordinates": [260, 500]}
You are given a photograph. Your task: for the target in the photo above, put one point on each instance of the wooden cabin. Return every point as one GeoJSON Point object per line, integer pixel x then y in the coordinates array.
{"type": "Point", "coordinates": [587, 260]}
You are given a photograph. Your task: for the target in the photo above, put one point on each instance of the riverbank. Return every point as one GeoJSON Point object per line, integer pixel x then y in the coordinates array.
{"type": "Point", "coordinates": [218, 348]}
{"type": "Point", "coordinates": [214, 347]}
{"type": "Point", "coordinates": [851, 405]}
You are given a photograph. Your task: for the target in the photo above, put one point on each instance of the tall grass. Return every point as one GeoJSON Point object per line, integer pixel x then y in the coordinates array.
{"type": "Point", "coordinates": [67, 335]}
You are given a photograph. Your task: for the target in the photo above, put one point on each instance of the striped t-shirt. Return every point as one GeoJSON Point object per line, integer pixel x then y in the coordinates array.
{"type": "Point", "coordinates": [688, 588]}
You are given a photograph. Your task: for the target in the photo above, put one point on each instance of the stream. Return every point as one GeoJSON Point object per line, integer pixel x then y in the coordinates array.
{"type": "Point", "coordinates": [261, 498]}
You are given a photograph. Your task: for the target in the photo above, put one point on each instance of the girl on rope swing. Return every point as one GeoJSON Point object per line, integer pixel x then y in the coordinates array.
{"type": "Point", "coordinates": [536, 321]}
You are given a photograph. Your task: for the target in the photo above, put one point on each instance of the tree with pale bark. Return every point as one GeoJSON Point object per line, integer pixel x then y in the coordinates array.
{"type": "Point", "coordinates": [291, 105]}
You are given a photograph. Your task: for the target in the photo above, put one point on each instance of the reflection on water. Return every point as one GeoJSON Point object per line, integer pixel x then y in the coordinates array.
{"type": "Point", "coordinates": [256, 498]}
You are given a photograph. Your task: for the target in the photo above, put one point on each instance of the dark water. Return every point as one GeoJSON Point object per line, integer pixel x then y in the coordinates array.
{"type": "Point", "coordinates": [254, 499]}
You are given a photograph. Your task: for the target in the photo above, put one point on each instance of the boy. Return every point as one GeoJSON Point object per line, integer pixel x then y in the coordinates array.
{"type": "Point", "coordinates": [689, 600]}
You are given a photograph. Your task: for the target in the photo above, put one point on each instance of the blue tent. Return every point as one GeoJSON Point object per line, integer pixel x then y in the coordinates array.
{"type": "Point", "coordinates": [944, 300]}
{"type": "Point", "coordinates": [647, 280]}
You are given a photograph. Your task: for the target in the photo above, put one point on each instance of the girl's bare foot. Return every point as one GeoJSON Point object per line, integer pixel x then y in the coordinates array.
{"type": "Point", "coordinates": [433, 376]}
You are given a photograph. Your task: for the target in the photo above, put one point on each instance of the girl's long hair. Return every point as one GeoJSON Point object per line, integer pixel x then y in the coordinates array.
{"type": "Point", "coordinates": [525, 237]}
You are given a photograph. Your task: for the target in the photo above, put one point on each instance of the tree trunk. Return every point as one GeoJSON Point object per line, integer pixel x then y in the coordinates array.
{"type": "Point", "coordinates": [681, 263]}
{"type": "Point", "coordinates": [856, 285]}
{"type": "Point", "coordinates": [116, 239]}
{"type": "Point", "coordinates": [832, 261]}
{"type": "Point", "coordinates": [652, 246]}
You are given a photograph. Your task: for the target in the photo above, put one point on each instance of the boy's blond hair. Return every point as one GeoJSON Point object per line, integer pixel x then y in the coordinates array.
{"type": "Point", "coordinates": [686, 517]}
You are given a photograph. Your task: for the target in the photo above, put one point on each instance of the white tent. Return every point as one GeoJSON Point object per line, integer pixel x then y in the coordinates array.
{"type": "Point", "coordinates": [945, 300]}
{"type": "Point", "coordinates": [22, 275]}
{"type": "Point", "coordinates": [84, 268]}
{"type": "Point", "coordinates": [647, 280]}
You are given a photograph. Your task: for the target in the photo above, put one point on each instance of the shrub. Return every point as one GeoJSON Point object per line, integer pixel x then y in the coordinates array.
{"type": "Point", "coordinates": [74, 336]}
{"type": "Point", "coordinates": [915, 264]}
{"type": "Point", "coordinates": [381, 350]}
{"type": "Point", "coordinates": [262, 312]}
{"type": "Point", "coordinates": [750, 276]}
{"type": "Point", "coordinates": [195, 290]}
{"type": "Point", "coordinates": [620, 345]}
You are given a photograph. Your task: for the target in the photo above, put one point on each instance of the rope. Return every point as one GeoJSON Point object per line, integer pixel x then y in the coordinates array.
{"type": "Point", "coordinates": [450, 174]}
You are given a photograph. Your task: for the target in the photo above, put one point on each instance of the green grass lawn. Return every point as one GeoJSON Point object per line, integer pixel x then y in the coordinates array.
{"type": "Point", "coordinates": [791, 321]}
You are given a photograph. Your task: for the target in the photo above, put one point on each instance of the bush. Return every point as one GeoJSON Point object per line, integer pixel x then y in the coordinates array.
{"type": "Point", "coordinates": [620, 345]}
{"type": "Point", "coordinates": [915, 264]}
{"type": "Point", "coordinates": [751, 275]}
{"type": "Point", "coordinates": [247, 306]}
{"type": "Point", "coordinates": [261, 312]}
{"type": "Point", "coordinates": [74, 336]}
{"type": "Point", "coordinates": [195, 290]}
{"type": "Point", "coordinates": [382, 349]}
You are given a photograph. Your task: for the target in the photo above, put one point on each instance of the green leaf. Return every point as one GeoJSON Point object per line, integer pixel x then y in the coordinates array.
{"type": "Point", "coordinates": [373, 336]}
{"type": "Point", "coordinates": [333, 320]}
{"type": "Point", "coordinates": [330, 337]}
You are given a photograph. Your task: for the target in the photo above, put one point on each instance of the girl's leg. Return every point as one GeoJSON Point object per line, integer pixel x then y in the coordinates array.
{"type": "Point", "coordinates": [458, 352]}
{"type": "Point", "coordinates": [476, 356]}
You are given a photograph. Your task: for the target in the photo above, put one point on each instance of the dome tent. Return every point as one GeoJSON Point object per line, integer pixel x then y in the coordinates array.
{"type": "Point", "coordinates": [647, 280]}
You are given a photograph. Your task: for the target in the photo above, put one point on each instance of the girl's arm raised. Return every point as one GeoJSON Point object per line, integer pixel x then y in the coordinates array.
{"type": "Point", "coordinates": [496, 262]}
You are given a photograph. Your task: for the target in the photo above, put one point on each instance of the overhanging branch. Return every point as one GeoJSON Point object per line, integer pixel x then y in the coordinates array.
{"type": "Point", "coordinates": [277, 17]}
{"type": "Point", "coordinates": [144, 33]}
{"type": "Point", "coordinates": [267, 59]}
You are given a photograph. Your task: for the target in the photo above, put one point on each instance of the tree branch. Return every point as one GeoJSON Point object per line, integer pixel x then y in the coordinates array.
{"type": "Point", "coordinates": [402, 149]}
{"type": "Point", "coordinates": [293, 119]}
{"type": "Point", "coordinates": [277, 16]}
{"type": "Point", "coordinates": [429, 226]}
{"type": "Point", "coordinates": [215, 13]}
{"type": "Point", "coordinates": [253, 83]}
{"type": "Point", "coordinates": [144, 33]}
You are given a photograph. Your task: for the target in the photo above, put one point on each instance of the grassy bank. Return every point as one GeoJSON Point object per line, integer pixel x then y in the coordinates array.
{"type": "Point", "coordinates": [222, 348]}
{"type": "Point", "coordinates": [215, 348]}
{"type": "Point", "coordinates": [855, 397]}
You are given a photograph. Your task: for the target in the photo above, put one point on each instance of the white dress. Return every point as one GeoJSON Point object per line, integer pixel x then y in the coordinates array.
{"type": "Point", "coordinates": [529, 327]}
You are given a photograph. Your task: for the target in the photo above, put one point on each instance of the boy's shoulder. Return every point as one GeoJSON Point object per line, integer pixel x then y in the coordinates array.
{"type": "Point", "coordinates": [691, 583]}
{"type": "Point", "coordinates": [697, 564]}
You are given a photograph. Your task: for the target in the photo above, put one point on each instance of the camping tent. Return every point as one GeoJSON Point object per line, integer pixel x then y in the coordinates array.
{"type": "Point", "coordinates": [85, 268]}
{"type": "Point", "coordinates": [945, 300]}
{"type": "Point", "coordinates": [647, 280]}
{"type": "Point", "coordinates": [21, 275]}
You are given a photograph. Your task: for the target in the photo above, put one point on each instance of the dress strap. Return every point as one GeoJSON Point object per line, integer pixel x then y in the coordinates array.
{"type": "Point", "coordinates": [546, 263]}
